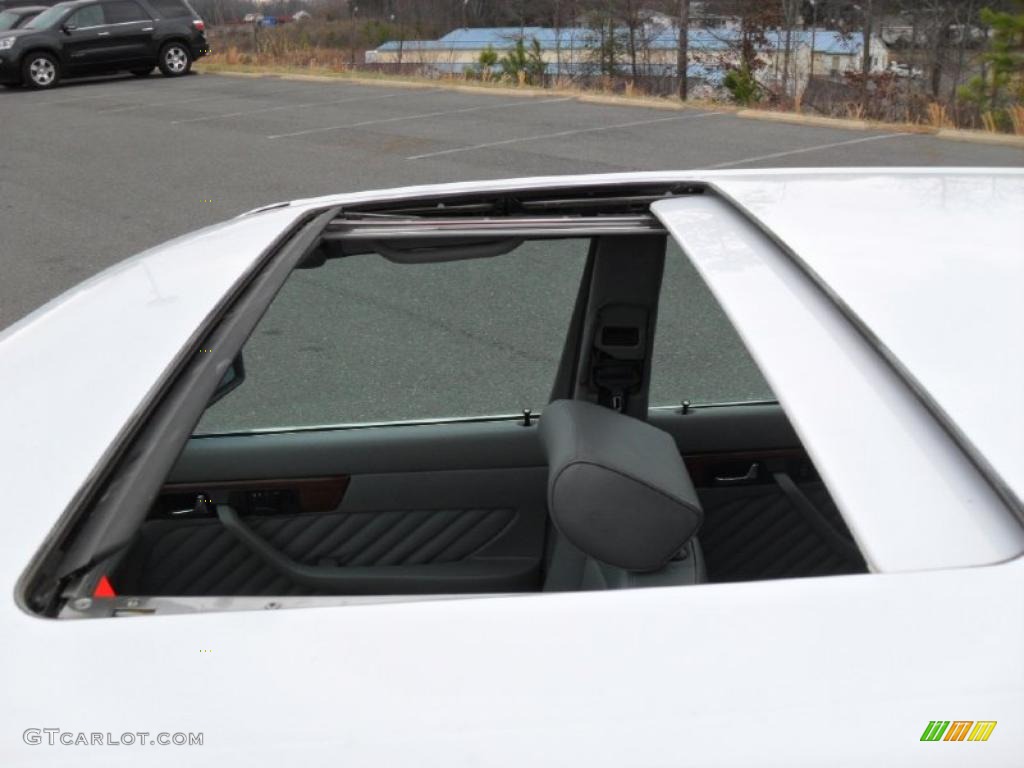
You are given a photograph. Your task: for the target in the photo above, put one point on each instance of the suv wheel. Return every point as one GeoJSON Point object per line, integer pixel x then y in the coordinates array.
{"type": "Point", "coordinates": [40, 70]}
{"type": "Point", "coordinates": [175, 60]}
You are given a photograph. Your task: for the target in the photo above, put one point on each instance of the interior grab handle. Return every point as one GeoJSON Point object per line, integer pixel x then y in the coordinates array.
{"type": "Point", "coordinates": [474, 575]}
{"type": "Point", "coordinates": [750, 476]}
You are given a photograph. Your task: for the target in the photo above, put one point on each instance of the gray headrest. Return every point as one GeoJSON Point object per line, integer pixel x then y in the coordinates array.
{"type": "Point", "coordinates": [617, 487]}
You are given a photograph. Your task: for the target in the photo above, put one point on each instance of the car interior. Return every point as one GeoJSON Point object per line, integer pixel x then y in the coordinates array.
{"type": "Point", "coordinates": [601, 484]}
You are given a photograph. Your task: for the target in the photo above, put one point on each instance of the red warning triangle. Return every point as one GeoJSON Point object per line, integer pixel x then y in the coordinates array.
{"type": "Point", "coordinates": [104, 588]}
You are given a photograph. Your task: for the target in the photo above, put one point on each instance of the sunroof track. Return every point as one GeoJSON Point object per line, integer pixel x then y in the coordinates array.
{"type": "Point", "coordinates": [398, 228]}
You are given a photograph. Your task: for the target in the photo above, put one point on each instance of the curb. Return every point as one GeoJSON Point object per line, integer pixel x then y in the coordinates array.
{"type": "Point", "coordinates": [651, 103]}
{"type": "Point", "coordinates": [798, 119]}
{"type": "Point", "coordinates": [981, 137]}
{"type": "Point", "coordinates": [527, 93]}
{"type": "Point", "coordinates": [950, 134]}
{"type": "Point", "coordinates": [390, 83]}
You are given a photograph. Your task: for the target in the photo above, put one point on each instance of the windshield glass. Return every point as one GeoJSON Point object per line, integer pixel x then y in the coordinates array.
{"type": "Point", "coordinates": [48, 18]}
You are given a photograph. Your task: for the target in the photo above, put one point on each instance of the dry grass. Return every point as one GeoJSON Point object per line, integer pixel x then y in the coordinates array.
{"type": "Point", "coordinates": [336, 64]}
{"type": "Point", "coordinates": [312, 58]}
{"type": "Point", "coordinates": [854, 112]}
{"type": "Point", "coordinates": [322, 63]}
{"type": "Point", "coordinates": [938, 117]}
{"type": "Point", "coordinates": [1017, 119]}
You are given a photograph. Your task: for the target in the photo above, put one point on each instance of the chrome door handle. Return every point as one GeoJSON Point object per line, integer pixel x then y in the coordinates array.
{"type": "Point", "coordinates": [102, 34]}
{"type": "Point", "coordinates": [750, 475]}
{"type": "Point", "coordinates": [147, 29]}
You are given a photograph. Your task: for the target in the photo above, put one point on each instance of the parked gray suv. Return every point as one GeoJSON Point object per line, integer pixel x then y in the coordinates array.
{"type": "Point", "coordinates": [86, 37]}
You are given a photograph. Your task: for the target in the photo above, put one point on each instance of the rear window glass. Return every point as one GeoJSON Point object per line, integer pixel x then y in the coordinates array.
{"type": "Point", "coordinates": [698, 356]}
{"type": "Point", "coordinates": [170, 9]}
{"type": "Point", "coordinates": [89, 16]}
{"type": "Point", "coordinates": [363, 339]}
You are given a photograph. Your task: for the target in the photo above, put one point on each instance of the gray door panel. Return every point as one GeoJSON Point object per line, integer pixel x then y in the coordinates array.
{"type": "Point", "coordinates": [458, 507]}
{"type": "Point", "coordinates": [520, 491]}
{"type": "Point", "coordinates": [364, 450]}
{"type": "Point", "coordinates": [727, 428]}
{"type": "Point", "coordinates": [752, 528]}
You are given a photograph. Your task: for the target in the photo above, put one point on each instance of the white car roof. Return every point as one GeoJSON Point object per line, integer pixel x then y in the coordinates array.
{"type": "Point", "coordinates": [74, 372]}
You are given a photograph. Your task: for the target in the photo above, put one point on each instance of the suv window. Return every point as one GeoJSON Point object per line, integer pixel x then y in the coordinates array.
{"type": "Point", "coordinates": [122, 11]}
{"type": "Point", "coordinates": [698, 355]}
{"type": "Point", "coordinates": [89, 16]}
{"type": "Point", "coordinates": [362, 339]}
{"type": "Point", "coordinates": [47, 18]}
{"type": "Point", "coordinates": [170, 9]}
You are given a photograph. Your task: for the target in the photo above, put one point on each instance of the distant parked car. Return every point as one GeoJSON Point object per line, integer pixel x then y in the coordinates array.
{"type": "Point", "coordinates": [6, 5]}
{"type": "Point", "coordinates": [905, 70]}
{"type": "Point", "coordinates": [85, 37]}
{"type": "Point", "coordinates": [14, 18]}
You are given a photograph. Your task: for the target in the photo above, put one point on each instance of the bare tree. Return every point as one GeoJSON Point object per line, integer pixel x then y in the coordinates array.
{"type": "Point", "coordinates": [865, 64]}
{"type": "Point", "coordinates": [607, 41]}
{"type": "Point", "coordinates": [744, 42]}
{"type": "Point", "coordinates": [790, 11]}
{"type": "Point", "coordinates": [556, 22]}
{"type": "Point", "coordinates": [683, 51]}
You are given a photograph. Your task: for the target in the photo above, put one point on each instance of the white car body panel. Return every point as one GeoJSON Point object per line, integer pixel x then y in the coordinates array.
{"type": "Point", "coordinates": [920, 296]}
{"type": "Point", "coordinates": [955, 518]}
{"type": "Point", "coordinates": [842, 671]}
{"type": "Point", "coordinates": [107, 342]}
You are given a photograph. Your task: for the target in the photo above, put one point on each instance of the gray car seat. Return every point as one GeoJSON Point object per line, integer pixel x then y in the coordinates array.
{"type": "Point", "coordinates": [624, 510]}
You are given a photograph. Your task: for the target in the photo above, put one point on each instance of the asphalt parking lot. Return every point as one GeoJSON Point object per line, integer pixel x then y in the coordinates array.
{"type": "Point", "coordinates": [93, 172]}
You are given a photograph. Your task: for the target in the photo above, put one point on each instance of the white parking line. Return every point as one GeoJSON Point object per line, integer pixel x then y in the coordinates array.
{"type": "Point", "coordinates": [776, 155]}
{"type": "Point", "coordinates": [233, 95]}
{"type": "Point", "coordinates": [558, 134]}
{"type": "Point", "coordinates": [112, 89]}
{"type": "Point", "coordinates": [420, 116]}
{"type": "Point", "coordinates": [283, 107]}
{"type": "Point", "coordinates": [105, 94]}
{"type": "Point", "coordinates": [163, 103]}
